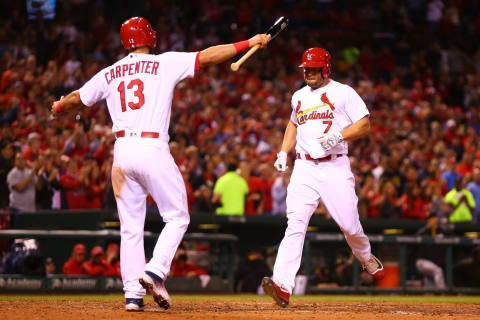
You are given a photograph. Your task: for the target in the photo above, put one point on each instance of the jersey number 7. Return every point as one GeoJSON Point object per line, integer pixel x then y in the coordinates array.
{"type": "Point", "coordinates": [329, 124]}
{"type": "Point", "coordinates": [137, 93]}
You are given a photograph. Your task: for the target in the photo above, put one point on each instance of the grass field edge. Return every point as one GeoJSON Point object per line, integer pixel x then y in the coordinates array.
{"type": "Point", "coordinates": [457, 299]}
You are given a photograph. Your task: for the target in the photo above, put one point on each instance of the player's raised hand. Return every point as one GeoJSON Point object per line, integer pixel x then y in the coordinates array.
{"type": "Point", "coordinates": [260, 39]}
{"type": "Point", "coordinates": [330, 140]}
{"type": "Point", "coordinates": [56, 107]}
{"type": "Point", "coordinates": [281, 162]}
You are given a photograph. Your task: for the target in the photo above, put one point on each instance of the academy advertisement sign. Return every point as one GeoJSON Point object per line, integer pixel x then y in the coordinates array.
{"type": "Point", "coordinates": [59, 284]}
{"type": "Point", "coordinates": [21, 283]}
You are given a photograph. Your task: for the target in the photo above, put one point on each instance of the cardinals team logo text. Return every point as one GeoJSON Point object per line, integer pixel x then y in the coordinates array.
{"type": "Point", "coordinates": [312, 113]}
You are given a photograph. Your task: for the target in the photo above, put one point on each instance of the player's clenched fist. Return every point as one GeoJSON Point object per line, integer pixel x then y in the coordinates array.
{"type": "Point", "coordinates": [330, 140]}
{"type": "Point", "coordinates": [281, 162]}
{"type": "Point", "coordinates": [261, 39]}
{"type": "Point", "coordinates": [56, 107]}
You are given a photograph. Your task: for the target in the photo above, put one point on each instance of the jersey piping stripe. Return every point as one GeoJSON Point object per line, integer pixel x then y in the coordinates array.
{"type": "Point", "coordinates": [302, 112]}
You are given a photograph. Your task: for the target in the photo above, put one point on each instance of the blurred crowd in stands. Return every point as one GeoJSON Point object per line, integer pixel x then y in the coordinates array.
{"type": "Point", "coordinates": [99, 264]}
{"type": "Point", "coordinates": [107, 262]}
{"type": "Point", "coordinates": [25, 257]}
{"type": "Point", "coordinates": [415, 64]}
{"type": "Point", "coordinates": [201, 260]}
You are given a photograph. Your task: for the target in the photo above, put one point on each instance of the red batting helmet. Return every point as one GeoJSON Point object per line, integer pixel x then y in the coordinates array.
{"type": "Point", "coordinates": [317, 58]}
{"type": "Point", "coordinates": [137, 32]}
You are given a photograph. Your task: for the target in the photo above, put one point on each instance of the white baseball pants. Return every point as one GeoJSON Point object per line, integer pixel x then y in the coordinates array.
{"type": "Point", "coordinates": [333, 183]}
{"type": "Point", "coordinates": [429, 269]}
{"type": "Point", "coordinates": [143, 166]}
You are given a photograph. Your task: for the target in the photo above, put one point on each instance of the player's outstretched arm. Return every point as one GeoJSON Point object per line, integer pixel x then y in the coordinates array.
{"type": "Point", "coordinates": [356, 130]}
{"type": "Point", "coordinates": [218, 54]}
{"type": "Point", "coordinates": [68, 103]}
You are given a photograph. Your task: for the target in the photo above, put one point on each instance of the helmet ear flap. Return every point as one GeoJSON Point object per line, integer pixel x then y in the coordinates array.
{"type": "Point", "coordinates": [326, 71]}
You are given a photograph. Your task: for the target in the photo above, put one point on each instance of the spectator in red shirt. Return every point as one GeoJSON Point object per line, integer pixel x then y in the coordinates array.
{"type": "Point", "coordinates": [112, 261]}
{"type": "Point", "coordinates": [369, 194]}
{"type": "Point", "coordinates": [413, 204]}
{"type": "Point", "coordinates": [188, 187]}
{"type": "Point", "coordinates": [93, 182]}
{"type": "Point", "coordinates": [32, 151]}
{"type": "Point", "coordinates": [73, 187]}
{"type": "Point", "coordinates": [76, 145]}
{"type": "Point", "coordinates": [466, 166]}
{"type": "Point", "coordinates": [73, 266]}
{"type": "Point", "coordinates": [255, 198]}
{"type": "Point", "coordinates": [265, 172]}
{"type": "Point", "coordinates": [177, 153]}
{"type": "Point", "coordinates": [95, 266]}
{"type": "Point", "coordinates": [182, 268]}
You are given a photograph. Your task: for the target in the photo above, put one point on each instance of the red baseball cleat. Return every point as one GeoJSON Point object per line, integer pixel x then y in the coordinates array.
{"type": "Point", "coordinates": [374, 267]}
{"type": "Point", "coordinates": [281, 297]}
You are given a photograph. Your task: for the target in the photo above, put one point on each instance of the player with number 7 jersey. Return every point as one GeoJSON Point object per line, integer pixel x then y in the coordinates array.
{"type": "Point", "coordinates": [138, 90]}
{"type": "Point", "coordinates": [325, 115]}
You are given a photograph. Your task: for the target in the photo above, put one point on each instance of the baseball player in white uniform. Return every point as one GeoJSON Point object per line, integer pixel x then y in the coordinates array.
{"type": "Point", "coordinates": [325, 115]}
{"type": "Point", "coordinates": [138, 90]}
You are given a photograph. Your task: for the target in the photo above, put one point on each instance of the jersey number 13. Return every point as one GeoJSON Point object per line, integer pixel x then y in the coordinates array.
{"type": "Point", "coordinates": [137, 93]}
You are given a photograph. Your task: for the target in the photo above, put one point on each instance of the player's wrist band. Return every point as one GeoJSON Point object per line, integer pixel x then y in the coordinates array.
{"type": "Point", "coordinates": [58, 107]}
{"type": "Point", "coordinates": [241, 46]}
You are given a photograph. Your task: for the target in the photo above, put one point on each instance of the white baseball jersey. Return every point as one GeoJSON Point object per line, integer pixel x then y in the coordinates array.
{"type": "Point", "coordinates": [316, 112]}
{"type": "Point", "coordinates": [139, 89]}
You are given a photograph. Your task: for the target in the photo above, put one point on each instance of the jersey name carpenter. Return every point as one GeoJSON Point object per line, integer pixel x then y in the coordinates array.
{"type": "Point", "coordinates": [130, 69]}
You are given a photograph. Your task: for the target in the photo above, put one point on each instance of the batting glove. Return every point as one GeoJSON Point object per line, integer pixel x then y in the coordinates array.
{"type": "Point", "coordinates": [330, 140]}
{"type": "Point", "coordinates": [281, 162]}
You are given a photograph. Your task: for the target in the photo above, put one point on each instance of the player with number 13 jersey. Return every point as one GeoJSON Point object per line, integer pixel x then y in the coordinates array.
{"type": "Point", "coordinates": [139, 90]}
{"type": "Point", "coordinates": [142, 83]}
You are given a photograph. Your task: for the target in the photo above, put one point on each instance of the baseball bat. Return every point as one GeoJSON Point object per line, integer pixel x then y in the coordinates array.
{"type": "Point", "coordinates": [234, 66]}
{"type": "Point", "coordinates": [272, 32]}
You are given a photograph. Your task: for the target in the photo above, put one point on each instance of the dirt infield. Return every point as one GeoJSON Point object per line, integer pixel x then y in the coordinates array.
{"type": "Point", "coordinates": [232, 307]}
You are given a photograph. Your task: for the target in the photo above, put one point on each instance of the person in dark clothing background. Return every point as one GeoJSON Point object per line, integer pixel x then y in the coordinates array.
{"type": "Point", "coordinates": [250, 274]}
{"type": "Point", "coordinates": [465, 272]}
{"type": "Point", "coordinates": [203, 200]}
{"type": "Point", "coordinates": [23, 258]}
{"type": "Point", "coordinates": [48, 181]}
{"type": "Point", "coordinates": [6, 164]}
